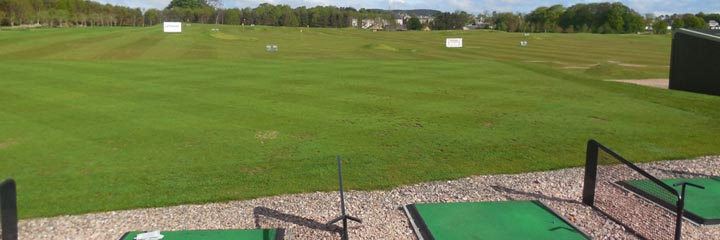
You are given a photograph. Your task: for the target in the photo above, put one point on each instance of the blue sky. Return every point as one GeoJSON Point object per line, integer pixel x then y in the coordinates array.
{"type": "Point", "coordinates": [474, 6]}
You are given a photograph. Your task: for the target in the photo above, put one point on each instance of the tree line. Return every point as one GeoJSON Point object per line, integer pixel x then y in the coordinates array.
{"type": "Point", "coordinates": [593, 18]}
{"type": "Point", "coordinates": [588, 18]}
{"type": "Point", "coordinates": [59, 13]}
{"type": "Point", "coordinates": [55, 13]}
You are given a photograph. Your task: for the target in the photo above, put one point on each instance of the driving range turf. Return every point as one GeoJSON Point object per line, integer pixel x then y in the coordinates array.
{"type": "Point", "coordinates": [701, 205]}
{"type": "Point", "coordinates": [97, 119]}
{"type": "Point", "coordinates": [491, 220]}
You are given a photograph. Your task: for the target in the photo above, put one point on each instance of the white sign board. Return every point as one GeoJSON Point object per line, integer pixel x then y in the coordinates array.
{"type": "Point", "coordinates": [453, 42]}
{"type": "Point", "coordinates": [172, 27]}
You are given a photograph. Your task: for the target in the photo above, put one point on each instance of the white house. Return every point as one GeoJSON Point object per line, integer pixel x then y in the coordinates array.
{"type": "Point", "coordinates": [714, 25]}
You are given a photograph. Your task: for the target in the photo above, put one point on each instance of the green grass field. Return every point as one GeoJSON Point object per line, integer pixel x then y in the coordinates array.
{"type": "Point", "coordinates": [96, 119]}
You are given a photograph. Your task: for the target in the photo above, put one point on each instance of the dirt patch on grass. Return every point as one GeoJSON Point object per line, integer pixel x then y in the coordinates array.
{"type": "Point", "coordinates": [585, 67]}
{"type": "Point", "coordinates": [632, 65]}
{"type": "Point", "coordinates": [267, 135]}
{"type": "Point", "coordinates": [225, 36]}
{"type": "Point", "coordinates": [381, 46]}
{"type": "Point", "coordinates": [626, 64]}
{"type": "Point", "coordinates": [7, 144]}
{"type": "Point", "coordinates": [656, 83]}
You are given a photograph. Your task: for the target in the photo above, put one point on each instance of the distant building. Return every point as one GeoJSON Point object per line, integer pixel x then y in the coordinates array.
{"type": "Point", "coordinates": [714, 25]}
{"type": "Point", "coordinates": [376, 27]}
{"type": "Point", "coordinates": [425, 19]}
{"type": "Point", "coordinates": [369, 23]}
{"type": "Point", "coordinates": [471, 27]}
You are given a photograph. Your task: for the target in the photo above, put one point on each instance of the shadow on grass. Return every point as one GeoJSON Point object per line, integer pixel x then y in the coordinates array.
{"type": "Point", "coordinates": [259, 212]}
{"type": "Point", "coordinates": [532, 195]}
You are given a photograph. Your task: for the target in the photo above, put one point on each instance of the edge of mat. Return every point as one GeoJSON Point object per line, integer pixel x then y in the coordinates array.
{"type": "Point", "coordinates": [418, 225]}
{"type": "Point", "coordinates": [542, 205]}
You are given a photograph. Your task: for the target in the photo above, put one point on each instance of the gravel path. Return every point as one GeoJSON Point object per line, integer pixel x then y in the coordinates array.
{"type": "Point", "coordinates": [305, 215]}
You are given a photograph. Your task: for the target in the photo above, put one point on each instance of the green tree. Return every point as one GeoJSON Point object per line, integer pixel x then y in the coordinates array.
{"type": "Point", "coordinates": [660, 26]}
{"type": "Point", "coordinates": [191, 4]}
{"type": "Point", "coordinates": [288, 17]}
{"type": "Point", "coordinates": [538, 19]}
{"type": "Point", "coordinates": [153, 16]}
{"type": "Point", "coordinates": [553, 17]}
{"type": "Point", "coordinates": [692, 21]}
{"type": "Point", "coordinates": [677, 22]}
{"type": "Point", "coordinates": [233, 16]}
{"type": "Point", "coordinates": [507, 21]}
{"type": "Point", "coordinates": [615, 22]}
{"type": "Point", "coordinates": [447, 20]}
{"type": "Point", "coordinates": [17, 11]}
{"type": "Point", "coordinates": [37, 7]}
{"type": "Point", "coordinates": [414, 24]}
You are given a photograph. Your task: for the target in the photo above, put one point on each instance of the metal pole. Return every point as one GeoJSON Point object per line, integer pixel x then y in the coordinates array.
{"type": "Point", "coordinates": [8, 206]}
{"type": "Point", "coordinates": [342, 199]}
{"type": "Point", "coordinates": [679, 214]}
{"type": "Point", "coordinates": [681, 207]}
{"type": "Point", "coordinates": [343, 216]}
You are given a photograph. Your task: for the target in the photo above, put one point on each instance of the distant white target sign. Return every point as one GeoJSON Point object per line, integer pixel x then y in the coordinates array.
{"type": "Point", "coordinates": [172, 27]}
{"type": "Point", "coordinates": [454, 42]}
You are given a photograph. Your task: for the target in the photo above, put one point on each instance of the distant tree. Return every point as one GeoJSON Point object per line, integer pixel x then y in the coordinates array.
{"type": "Point", "coordinates": [545, 19]}
{"type": "Point", "coordinates": [601, 18]}
{"type": "Point", "coordinates": [191, 4]}
{"type": "Point", "coordinates": [709, 16]}
{"type": "Point", "coordinates": [538, 19]}
{"type": "Point", "coordinates": [414, 24]}
{"type": "Point", "coordinates": [447, 20]}
{"type": "Point", "coordinates": [677, 22]}
{"type": "Point", "coordinates": [153, 16]}
{"type": "Point", "coordinates": [585, 28]}
{"type": "Point", "coordinates": [288, 17]}
{"type": "Point", "coordinates": [660, 27]}
{"type": "Point", "coordinates": [570, 29]}
{"type": "Point", "coordinates": [17, 11]}
{"type": "Point", "coordinates": [233, 16]}
{"type": "Point", "coordinates": [37, 7]}
{"type": "Point", "coordinates": [615, 21]}
{"type": "Point", "coordinates": [59, 16]}
{"type": "Point", "coordinates": [217, 5]}
{"type": "Point", "coordinates": [508, 21]}
{"type": "Point", "coordinates": [553, 17]}
{"type": "Point", "coordinates": [649, 18]}
{"type": "Point", "coordinates": [692, 21]}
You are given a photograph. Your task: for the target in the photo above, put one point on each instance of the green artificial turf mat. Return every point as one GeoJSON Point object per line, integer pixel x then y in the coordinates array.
{"type": "Point", "coordinates": [701, 205]}
{"type": "Point", "coordinates": [492, 220]}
